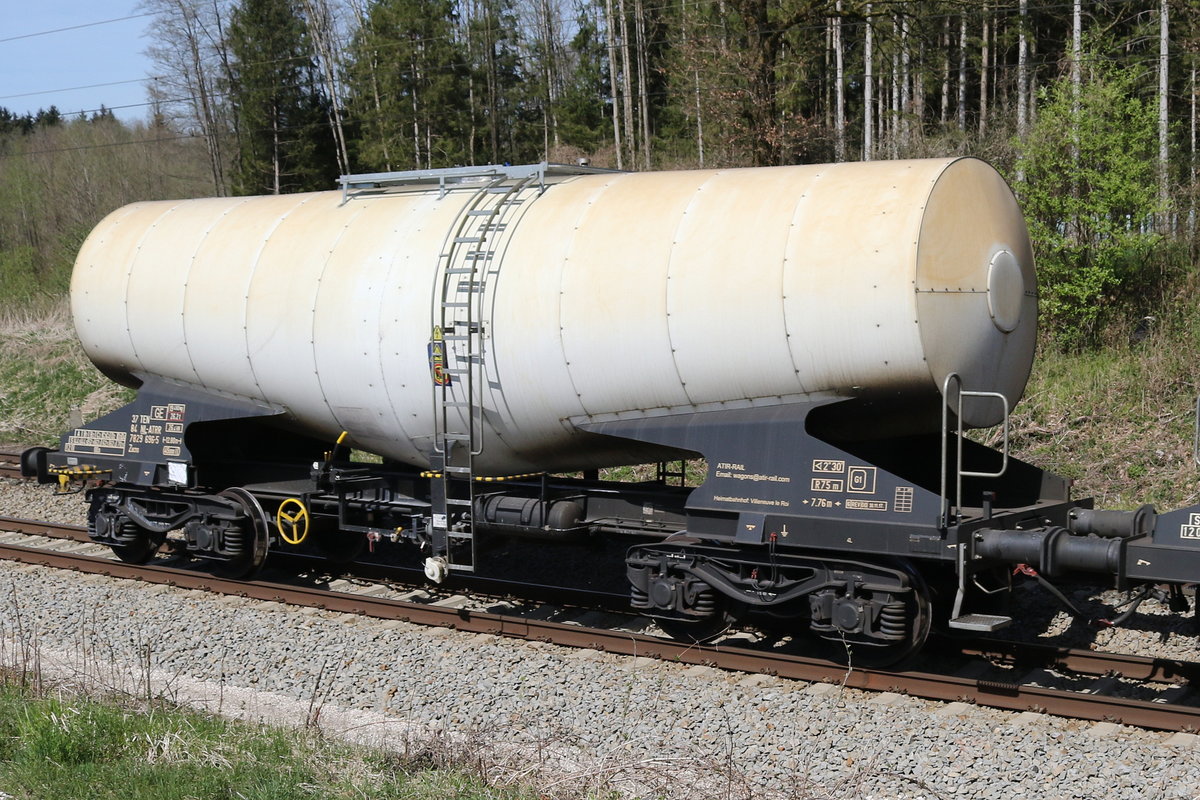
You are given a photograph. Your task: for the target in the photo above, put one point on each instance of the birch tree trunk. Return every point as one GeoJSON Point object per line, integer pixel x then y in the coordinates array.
{"type": "Point", "coordinates": [894, 126]}
{"type": "Point", "coordinates": [490, 26]}
{"type": "Point", "coordinates": [945, 44]}
{"type": "Point", "coordinates": [643, 66]}
{"type": "Point", "coordinates": [983, 73]}
{"type": "Point", "coordinates": [416, 112]}
{"type": "Point", "coordinates": [1076, 49]}
{"type": "Point", "coordinates": [686, 28]}
{"type": "Point", "coordinates": [962, 74]}
{"type": "Point", "coordinates": [868, 85]}
{"type": "Point", "coordinates": [918, 92]}
{"type": "Point", "coordinates": [276, 155]}
{"type": "Point", "coordinates": [468, 17]}
{"type": "Point", "coordinates": [839, 124]}
{"type": "Point", "coordinates": [1022, 69]}
{"type": "Point", "coordinates": [609, 22]}
{"type": "Point", "coordinates": [1192, 163]}
{"type": "Point", "coordinates": [321, 31]}
{"type": "Point", "coordinates": [905, 85]}
{"type": "Point", "coordinates": [1163, 154]}
{"type": "Point", "coordinates": [627, 83]}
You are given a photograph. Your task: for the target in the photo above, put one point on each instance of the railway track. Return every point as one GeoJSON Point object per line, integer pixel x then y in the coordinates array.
{"type": "Point", "coordinates": [1005, 675]}
{"type": "Point", "coordinates": [10, 462]}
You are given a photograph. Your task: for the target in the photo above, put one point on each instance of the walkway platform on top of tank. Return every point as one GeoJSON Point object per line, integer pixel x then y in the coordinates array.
{"type": "Point", "coordinates": [449, 177]}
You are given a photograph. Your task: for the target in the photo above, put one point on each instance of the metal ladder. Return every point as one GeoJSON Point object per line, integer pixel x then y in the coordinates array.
{"type": "Point", "coordinates": [951, 506]}
{"type": "Point", "coordinates": [470, 258]}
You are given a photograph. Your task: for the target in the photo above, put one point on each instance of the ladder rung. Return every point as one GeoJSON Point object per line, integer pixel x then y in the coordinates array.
{"type": "Point", "coordinates": [461, 567]}
{"type": "Point", "coordinates": [455, 370]}
{"type": "Point", "coordinates": [456, 304]}
{"type": "Point", "coordinates": [478, 255]}
{"type": "Point", "coordinates": [457, 337]}
{"type": "Point", "coordinates": [477, 212]}
{"type": "Point", "coordinates": [461, 271]}
{"type": "Point", "coordinates": [457, 470]}
{"type": "Point", "coordinates": [467, 239]}
{"type": "Point", "coordinates": [457, 437]}
{"type": "Point", "coordinates": [456, 404]}
{"type": "Point", "coordinates": [470, 286]}
{"type": "Point", "coordinates": [454, 501]}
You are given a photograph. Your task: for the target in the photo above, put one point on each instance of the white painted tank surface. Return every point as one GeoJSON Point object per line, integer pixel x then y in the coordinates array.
{"type": "Point", "coordinates": [606, 296]}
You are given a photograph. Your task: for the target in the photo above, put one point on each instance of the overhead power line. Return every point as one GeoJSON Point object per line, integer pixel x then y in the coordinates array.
{"type": "Point", "coordinates": [75, 27]}
{"type": "Point", "coordinates": [850, 24]}
{"type": "Point", "coordinates": [75, 88]}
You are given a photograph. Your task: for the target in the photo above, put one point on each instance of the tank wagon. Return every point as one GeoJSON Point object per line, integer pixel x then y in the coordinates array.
{"type": "Point", "coordinates": [821, 336]}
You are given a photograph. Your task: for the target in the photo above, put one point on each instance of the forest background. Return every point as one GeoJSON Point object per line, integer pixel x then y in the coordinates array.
{"type": "Point", "coordinates": [1089, 110]}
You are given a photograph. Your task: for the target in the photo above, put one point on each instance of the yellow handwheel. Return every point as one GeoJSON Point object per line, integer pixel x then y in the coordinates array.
{"type": "Point", "coordinates": [292, 525]}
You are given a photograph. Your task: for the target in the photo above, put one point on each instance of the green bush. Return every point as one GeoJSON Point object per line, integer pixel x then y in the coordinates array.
{"type": "Point", "coordinates": [1089, 192]}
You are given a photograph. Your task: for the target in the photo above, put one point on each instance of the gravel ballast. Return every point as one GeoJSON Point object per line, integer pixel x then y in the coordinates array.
{"type": "Point", "coordinates": [564, 719]}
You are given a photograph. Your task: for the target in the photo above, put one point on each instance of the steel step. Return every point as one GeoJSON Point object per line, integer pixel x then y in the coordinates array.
{"type": "Point", "coordinates": [984, 623]}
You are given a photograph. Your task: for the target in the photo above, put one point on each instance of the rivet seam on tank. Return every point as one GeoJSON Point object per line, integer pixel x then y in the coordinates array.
{"type": "Point", "coordinates": [670, 264]}
{"type": "Point", "coordinates": [128, 282]}
{"type": "Point", "coordinates": [187, 281]}
{"type": "Point", "coordinates": [254, 263]}
{"type": "Point", "coordinates": [567, 248]}
{"type": "Point", "coordinates": [783, 297]}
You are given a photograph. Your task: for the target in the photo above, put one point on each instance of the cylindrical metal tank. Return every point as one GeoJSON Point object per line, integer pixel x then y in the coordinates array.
{"type": "Point", "coordinates": [607, 296]}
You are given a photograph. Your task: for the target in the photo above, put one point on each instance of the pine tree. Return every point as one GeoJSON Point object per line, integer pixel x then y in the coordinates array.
{"type": "Point", "coordinates": [406, 84]}
{"type": "Point", "coordinates": [283, 145]}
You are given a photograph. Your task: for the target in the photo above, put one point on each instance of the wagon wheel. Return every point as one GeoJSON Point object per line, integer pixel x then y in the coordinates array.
{"type": "Point", "coordinates": [142, 544]}
{"type": "Point", "coordinates": [917, 618]}
{"type": "Point", "coordinates": [137, 545]}
{"type": "Point", "coordinates": [700, 631]}
{"type": "Point", "coordinates": [255, 539]}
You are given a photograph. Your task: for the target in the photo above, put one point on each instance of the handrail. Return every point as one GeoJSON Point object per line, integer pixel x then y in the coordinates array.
{"type": "Point", "coordinates": [451, 177]}
{"type": "Point", "coordinates": [959, 472]}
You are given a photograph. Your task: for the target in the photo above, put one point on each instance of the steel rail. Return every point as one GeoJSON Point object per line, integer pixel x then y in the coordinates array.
{"type": "Point", "coordinates": [54, 530]}
{"type": "Point", "coordinates": [1010, 696]}
{"type": "Point", "coordinates": [10, 464]}
{"type": "Point", "coordinates": [1012, 653]}
{"type": "Point", "coordinates": [1085, 662]}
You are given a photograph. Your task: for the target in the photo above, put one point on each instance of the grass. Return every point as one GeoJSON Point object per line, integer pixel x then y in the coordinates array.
{"type": "Point", "coordinates": [1119, 420]}
{"type": "Point", "coordinates": [59, 746]}
{"type": "Point", "coordinates": [46, 381]}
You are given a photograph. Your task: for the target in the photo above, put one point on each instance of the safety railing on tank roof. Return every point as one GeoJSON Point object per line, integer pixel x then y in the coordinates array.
{"type": "Point", "coordinates": [959, 473]}
{"type": "Point", "coordinates": [453, 177]}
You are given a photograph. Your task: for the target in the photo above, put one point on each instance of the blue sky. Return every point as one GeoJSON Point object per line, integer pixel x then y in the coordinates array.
{"type": "Point", "coordinates": [31, 68]}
